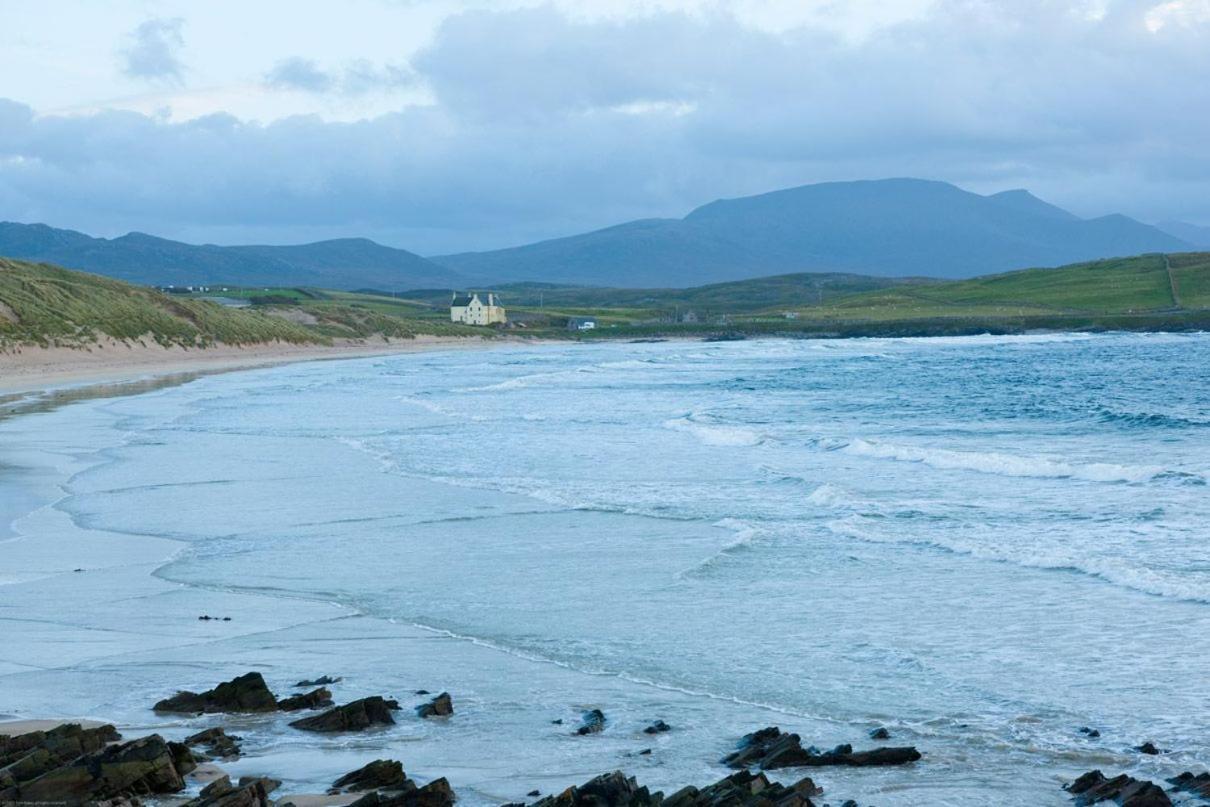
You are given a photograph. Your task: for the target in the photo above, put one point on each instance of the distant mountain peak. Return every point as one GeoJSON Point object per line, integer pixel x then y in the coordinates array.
{"type": "Point", "coordinates": [900, 226]}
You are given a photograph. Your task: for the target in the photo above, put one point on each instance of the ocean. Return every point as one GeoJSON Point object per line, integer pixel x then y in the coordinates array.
{"type": "Point", "coordinates": [983, 544]}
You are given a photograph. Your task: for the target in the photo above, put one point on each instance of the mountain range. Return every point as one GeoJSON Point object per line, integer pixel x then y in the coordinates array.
{"type": "Point", "coordinates": [345, 263]}
{"type": "Point", "coordinates": [885, 228]}
{"type": "Point", "coordinates": [888, 228]}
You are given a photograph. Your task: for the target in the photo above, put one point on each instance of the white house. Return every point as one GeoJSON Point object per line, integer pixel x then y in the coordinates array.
{"type": "Point", "coordinates": [581, 323]}
{"type": "Point", "coordinates": [469, 309]}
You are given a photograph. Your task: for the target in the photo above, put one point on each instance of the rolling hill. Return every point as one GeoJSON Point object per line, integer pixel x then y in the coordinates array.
{"type": "Point", "coordinates": [138, 258]}
{"type": "Point", "coordinates": [889, 228]}
{"type": "Point", "coordinates": [48, 305]}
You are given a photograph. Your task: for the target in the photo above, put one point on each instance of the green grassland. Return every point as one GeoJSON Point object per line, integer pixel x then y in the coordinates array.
{"type": "Point", "coordinates": [43, 304]}
{"type": "Point", "coordinates": [47, 305]}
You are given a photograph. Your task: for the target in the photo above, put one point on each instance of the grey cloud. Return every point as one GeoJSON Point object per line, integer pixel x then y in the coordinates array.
{"type": "Point", "coordinates": [299, 74]}
{"type": "Point", "coordinates": [545, 125]}
{"type": "Point", "coordinates": [357, 78]}
{"type": "Point", "coordinates": [152, 52]}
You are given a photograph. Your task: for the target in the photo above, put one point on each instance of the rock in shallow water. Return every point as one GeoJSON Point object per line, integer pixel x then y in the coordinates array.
{"type": "Point", "coordinates": [317, 699]}
{"type": "Point", "coordinates": [591, 722]}
{"type": "Point", "coordinates": [440, 706]}
{"type": "Point", "coordinates": [217, 741]}
{"type": "Point", "coordinates": [381, 773]}
{"type": "Point", "coordinates": [247, 693]}
{"type": "Point", "coordinates": [769, 749]}
{"type": "Point", "coordinates": [355, 716]}
{"type": "Point", "coordinates": [658, 727]}
{"type": "Point", "coordinates": [741, 789]}
{"type": "Point", "coordinates": [1126, 791]}
{"type": "Point", "coordinates": [323, 680]}
{"type": "Point", "coordinates": [1198, 785]}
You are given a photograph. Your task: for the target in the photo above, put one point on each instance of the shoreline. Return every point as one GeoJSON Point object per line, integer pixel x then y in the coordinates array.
{"type": "Point", "coordinates": [433, 661]}
{"type": "Point", "coordinates": [28, 370]}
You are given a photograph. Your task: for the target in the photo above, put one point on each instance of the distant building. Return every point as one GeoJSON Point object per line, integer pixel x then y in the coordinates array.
{"type": "Point", "coordinates": [689, 317]}
{"type": "Point", "coordinates": [581, 323]}
{"type": "Point", "coordinates": [470, 309]}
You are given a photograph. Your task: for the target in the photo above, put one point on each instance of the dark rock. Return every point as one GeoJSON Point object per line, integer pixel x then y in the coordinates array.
{"type": "Point", "coordinates": [322, 681]}
{"type": "Point", "coordinates": [42, 750]}
{"type": "Point", "coordinates": [558, 722]}
{"type": "Point", "coordinates": [880, 733]}
{"type": "Point", "coordinates": [848, 803]}
{"type": "Point", "coordinates": [316, 699]}
{"type": "Point", "coordinates": [769, 748]}
{"type": "Point", "coordinates": [142, 767]}
{"type": "Point", "coordinates": [1147, 748]}
{"type": "Point", "coordinates": [1087, 732]}
{"type": "Point", "coordinates": [741, 789]}
{"type": "Point", "coordinates": [250, 792]}
{"type": "Point", "coordinates": [1124, 790]}
{"type": "Point", "coordinates": [646, 752]}
{"type": "Point", "coordinates": [1198, 785]}
{"type": "Point", "coordinates": [247, 693]}
{"type": "Point", "coordinates": [440, 706]}
{"type": "Point", "coordinates": [355, 716]}
{"type": "Point", "coordinates": [423, 692]}
{"type": "Point", "coordinates": [217, 741]}
{"type": "Point", "coordinates": [25, 757]}
{"type": "Point", "coordinates": [381, 773]}
{"type": "Point", "coordinates": [657, 727]}
{"type": "Point", "coordinates": [436, 793]}
{"type": "Point", "coordinates": [534, 793]}
{"type": "Point", "coordinates": [268, 784]}
{"type": "Point", "coordinates": [591, 722]}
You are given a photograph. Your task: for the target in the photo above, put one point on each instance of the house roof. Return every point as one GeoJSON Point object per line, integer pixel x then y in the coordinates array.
{"type": "Point", "coordinates": [461, 300]}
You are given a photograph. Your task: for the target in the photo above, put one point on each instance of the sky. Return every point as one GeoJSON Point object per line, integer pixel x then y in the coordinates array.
{"type": "Point", "coordinates": [448, 125]}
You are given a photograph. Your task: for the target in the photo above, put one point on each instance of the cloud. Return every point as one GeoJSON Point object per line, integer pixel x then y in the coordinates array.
{"type": "Point", "coordinates": [299, 74]}
{"type": "Point", "coordinates": [152, 53]}
{"type": "Point", "coordinates": [354, 79]}
{"type": "Point", "coordinates": [541, 124]}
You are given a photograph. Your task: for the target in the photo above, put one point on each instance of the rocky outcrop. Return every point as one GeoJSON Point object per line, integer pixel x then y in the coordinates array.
{"type": "Point", "coordinates": [316, 699]}
{"type": "Point", "coordinates": [741, 789]}
{"type": "Point", "coordinates": [769, 748]}
{"type": "Point", "coordinates": [1198, 785]}
{"type": "Point", "coordinates": [591, 722]}
{"type": "Point", "coordinates": [221, 793]}
{"type": "Point", "coordinates": [440, 706]}
{"type": "Point", "coordinates": [880, 733]}
{"type": "Point", "coordinates": [1094, 787]}
{"type": "Point", "coordinates": [658, 727]}
{"type": "Point", "coordinates": [217, 742]}
{"type": "Point", "coordinates": [247, 693]}
{"type": "Point", "coordinates": [355, 716]}
{"type": "Point", "coordinates": [27, 756]}
{"type": "Point", "coordinates": [147, 766]}
{"type": "Point", "coordinates": [436, 793]}
{"type": "Point", "coordinates": [1148, 748]}
{"type": "Point", "coordinates": [381, 773]}
{"type": "Point", "coordinates": [321, 681]}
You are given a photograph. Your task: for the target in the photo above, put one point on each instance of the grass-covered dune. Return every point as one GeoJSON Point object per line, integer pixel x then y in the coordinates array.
{"type": "Point", "coordinates": [50, 306]}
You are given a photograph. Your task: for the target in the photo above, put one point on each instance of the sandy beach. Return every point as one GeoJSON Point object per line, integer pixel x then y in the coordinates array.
{"type": "Point", "coordinates": [30, 369]}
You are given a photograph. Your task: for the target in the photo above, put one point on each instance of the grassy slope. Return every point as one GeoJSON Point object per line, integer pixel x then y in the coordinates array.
{"type": "Point", "coordinates": [42, 304]}
{"type": "Point", "coordinates": [1136, 286]}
